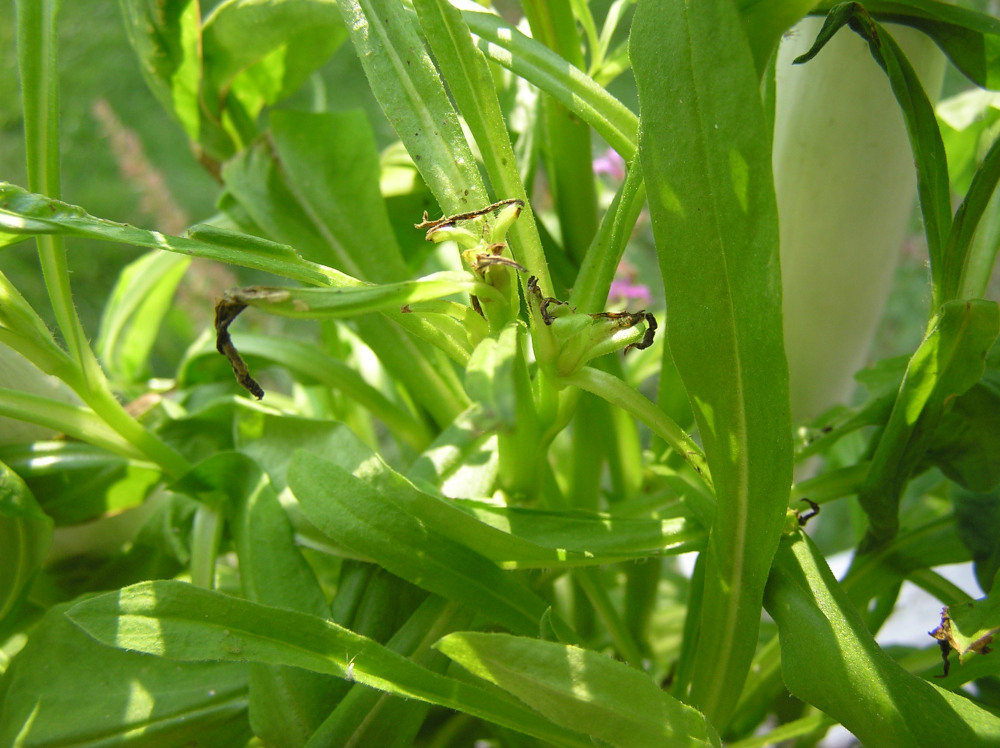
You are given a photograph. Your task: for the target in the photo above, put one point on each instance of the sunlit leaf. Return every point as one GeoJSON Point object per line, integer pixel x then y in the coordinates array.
{"type": "Point", "coordinates": [582, 690]}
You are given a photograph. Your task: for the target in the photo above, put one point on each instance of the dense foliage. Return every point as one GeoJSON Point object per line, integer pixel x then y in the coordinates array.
{"type": "Point", "coordinates": [448, 507]}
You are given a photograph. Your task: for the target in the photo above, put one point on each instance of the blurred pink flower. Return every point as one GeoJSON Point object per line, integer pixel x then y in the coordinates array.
{"type": "Point", "coordinates": [624, 288]}
{"type": "Point", "coordinates": [611, 164]}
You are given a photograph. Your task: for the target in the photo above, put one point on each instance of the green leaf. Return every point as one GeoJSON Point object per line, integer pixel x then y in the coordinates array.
{"type": "Point", "coordinates": [704, 149]}
{"type": "Point", "coordinates": [331, 163]}
{"type": "Point", "coordinates": [968, 437]}
{"type": "Point", "coordinates": [78, 482]}
{"type": "Point", "coordinates": [307, 363]}
{"type": "Point", "coordinates": [25, 535]}
{"type": "Point", "coordinates": [355, 300]}
{"type": "Point", "coordinates": [938, 542]}
{"type": "Point", "coordinates": [257, 53]}
{"type": "Point", "coordinates": [921, 124]}
{"type": "Point", "coordinates": [582, 690]}
{"type": "Point", "coordinates": [74, 420]}
{"type": "Point", "coordinates": [970, 39]}
{"type": "Point", "coordinates": [368, 717]}
{"type": "Point", "coordinates": [949, 361]}
{"type": "Point", "coordinates": [182, 622]}
{"type": "Point", "coordinates": [602, 536]}
{"type": "Point", "coordinates": [132, 315]}
{"type": "Point", "coordinates": [286, 704]}
{"type": "Point", "coordinates": [258, 184]}
{"type": "Point", "coordinates": [766, 22]}
{"type": "Point", "coordinates": [968, 264]}
{"type": "Point", "coordinates": [462, 462]}
{"type": "Point", "coordinates": [406, 85]}
{"type": "Point", "coordinates": [968, 124]}
{"type": "Point", "coordinates": [977, 518]}
{"type": "Point", "coordinates": [489, 377]}
{"type": "Point", "coordinates": [505, 45]}
{"type": "Point", "coordinates": [23, 212]}
{"type": "Point", "coordinates": [355, 514]}
{"type": "Point", "coordinates": [166, 36]}
{"type": "Point", "coordinates": [65, 689]}
{"type": "Point", "coordinates": [24, 331]}
{"type": "Point", "coordinates": [471, 84]}
{"type": "Point", "coordinates": [830, 660]}
{"type": "Point", "coordinates": [510, 538]}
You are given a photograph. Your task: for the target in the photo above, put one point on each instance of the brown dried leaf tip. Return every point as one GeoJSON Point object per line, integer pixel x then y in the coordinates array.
{"type": "Point", "coordinates": [429, 224]}
{"type": "Point", "coordinates": [228, 309]}
{"type": "Point", "coordinates": [804, 517]}
{"type": "Point", "coordinates": [950, 637]}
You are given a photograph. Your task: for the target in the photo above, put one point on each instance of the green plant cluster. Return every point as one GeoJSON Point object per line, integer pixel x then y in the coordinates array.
{"type": "Point", "coordinates": [452, 513]}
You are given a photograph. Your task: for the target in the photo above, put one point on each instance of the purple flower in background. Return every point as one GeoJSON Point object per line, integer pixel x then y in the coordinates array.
{"type": "Point", "coordinates": [625, 289]}
{"type": "Point", "coordinates": [611, 164]}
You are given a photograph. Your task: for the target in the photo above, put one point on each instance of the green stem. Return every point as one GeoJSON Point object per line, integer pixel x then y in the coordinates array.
{"type": "Point", "coordinates": [832, 485]}
{"type": "Point", "coordinates": [205, 536]}
{"type": "Point", "coordinates": [105, 405]}
{"type": "Point", "coordinates": [590, 422]}
{"type": "Point", "coordinates": [814, 723]}
{"type": "Point", "coordinates": [36, 37]}
{"type": "Point", "coordinates": [590, 291]}
{"type": "Point", "coordinates": [934, 584]}
{"type": "Point", "coordinates": [617, 392]}
{"type": "Point", "coordinates": [503, 44]}
{"type": "Point", "coordinates": [73, 420]}
{"type": "Point", "coordinates": [36, 44]}
{"type": "Point", "coordinates": [571, 172]}
{"type": "Point", "coordinates": [589, 580]}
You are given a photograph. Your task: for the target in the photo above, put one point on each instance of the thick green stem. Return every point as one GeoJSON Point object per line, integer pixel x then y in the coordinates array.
{"type": "Point", "coordinates": [571, 172]}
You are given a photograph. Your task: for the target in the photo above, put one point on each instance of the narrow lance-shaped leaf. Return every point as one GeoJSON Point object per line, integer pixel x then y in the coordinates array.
{"type": "Point", "coordinates": [358, 516]}
{"type": "Point", "coordinates": [707, 163]}
{"type": "Point", "coordinates": [830, 660]}
{"type": "Point", "coordinates": [308, 362]}
{"type": "Point", "coordinates": [330, 303]}
{"type": "Point", "coordinates": [406, 85]}
{"type": "Point", "coordinates": [968, 264]}
{"type": "Point", "coordinates": [132, 315]}
{"type": "Point", "coordinates": [269, 196]}
{"type": "Point", "coordinates": [949, 361]}
{"type": "Point", "coordinates": [503, 44]}
{"type": "Point", "coordinates": [766, 22]}
{"type": "Point", "coordinates": [286, 704]}
{"type": "Point", "coordinates": [970, 39]}
{"type": "Point", "coordinates": [368, 717]}
{"type": "Point", "coordinates": [470, 82]}
{"type": "Point", "coordinates": [921, 124]}
{"type": "Point", "coordinates": [106, 696]}
{"type": "Point", "coordinates": [582, 690]}
{"type": "Point", "coordinates": [29, 214]}
{"type": "Point", "coordinates": [77, 421]}
{"type": "Point", "coordinates": [183, 622]}
{"type": "Point", "coordinates": [330, 162]}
